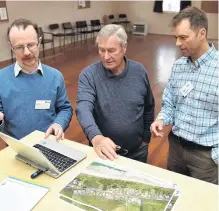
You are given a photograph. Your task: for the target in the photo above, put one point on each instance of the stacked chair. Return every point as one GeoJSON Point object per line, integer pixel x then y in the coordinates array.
{"type": "Point", "coordinates": [95, 26]}
{"type": "Point", "coordinates": [47, 40]}
{"type": "Point", "coordinates": [82, 29]}
{"type": "Point", "coordinates": [69, 31]}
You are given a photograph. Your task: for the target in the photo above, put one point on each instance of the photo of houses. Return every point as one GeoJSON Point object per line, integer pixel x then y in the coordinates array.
{"type": "Point", "coordinates": [107, 187]}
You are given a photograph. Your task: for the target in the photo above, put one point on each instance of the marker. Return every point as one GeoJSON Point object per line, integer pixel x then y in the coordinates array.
{"type": "Point", "coordinates": [37, 173]}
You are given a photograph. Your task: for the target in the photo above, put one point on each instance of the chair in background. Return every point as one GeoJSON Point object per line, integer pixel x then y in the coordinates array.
{"type": "Point", "coordinates": [82, 29]}
{"type": "Point", "coordinates": [69, 31]}
{"type": "Point", "coordinates": [112, 19]}
{"type": "Point", "coordinates": [95, 26]}
{"type": "Point", "coordinates": [106, 20]}
{"type": "Point", "coordinates": [54, 28]}
{"type": "Point", "coordinates": [46, 40]}
{"type": "Point", "coordinates": [123, 20]}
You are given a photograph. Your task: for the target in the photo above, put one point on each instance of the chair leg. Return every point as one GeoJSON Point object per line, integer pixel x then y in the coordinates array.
{"type": "Point", "coordinates": [81, 39]}
{"type": "Point", "coordinates": [43, 51]}
{"type": "Point", "coordinates": [77, 38]}
{"type": "Point", "coordinates": [53, 47]}
{"type": "Point", "coordinates": [12, 59]}
{"type": "Point", "coordinates": [60, 42]}
{"type": "Point", "coordinates": [126, 27]}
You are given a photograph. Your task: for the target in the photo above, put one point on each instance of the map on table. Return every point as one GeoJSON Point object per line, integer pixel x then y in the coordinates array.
{"type": "Point", "coordinates": [105, 186]}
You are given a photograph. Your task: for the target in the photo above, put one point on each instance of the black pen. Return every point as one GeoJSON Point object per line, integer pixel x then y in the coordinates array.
{"type": "Point", "coordinates": [37, 173]}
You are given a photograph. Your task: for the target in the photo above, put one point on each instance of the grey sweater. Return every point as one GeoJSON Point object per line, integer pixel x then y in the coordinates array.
{"type": "Point", "coordinates": [120, 107]}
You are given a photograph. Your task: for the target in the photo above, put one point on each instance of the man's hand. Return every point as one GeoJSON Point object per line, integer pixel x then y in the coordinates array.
{"type": "Point", "coordinates": [1, 116]}
{"type": "Point", "coordinates": [156, 128]}
{"type": "Point", "coordinates": [104, 147]}
{"type": "Point", "coordinates": [55, 129]}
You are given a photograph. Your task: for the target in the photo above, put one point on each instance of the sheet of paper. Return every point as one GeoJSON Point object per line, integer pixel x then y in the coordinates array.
{"type": "Point", "coordinates": [20, 195]}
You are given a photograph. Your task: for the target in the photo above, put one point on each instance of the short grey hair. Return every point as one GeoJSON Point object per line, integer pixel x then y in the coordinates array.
{"type": "Point", "coordinates": [111, 30]}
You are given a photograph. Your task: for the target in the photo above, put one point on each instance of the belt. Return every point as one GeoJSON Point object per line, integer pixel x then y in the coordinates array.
{"type": "Point", "coordinates": [191, 145]}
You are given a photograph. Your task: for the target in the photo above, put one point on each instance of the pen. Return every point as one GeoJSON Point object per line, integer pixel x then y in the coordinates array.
{"type": "Point", "coordinates": [37, 173]}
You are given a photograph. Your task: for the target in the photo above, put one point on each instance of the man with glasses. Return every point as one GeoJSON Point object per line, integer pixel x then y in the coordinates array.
{"type": "Point", "coordinates": [115, 102]}
{"type": "Point", "coordinates": [32, 95]}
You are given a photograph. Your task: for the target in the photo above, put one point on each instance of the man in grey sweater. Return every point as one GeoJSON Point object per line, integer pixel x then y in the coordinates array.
{"type": "Point", "coordinates": [115, 104]}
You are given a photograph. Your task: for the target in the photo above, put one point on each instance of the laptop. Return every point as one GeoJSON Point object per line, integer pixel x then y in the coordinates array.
{"type": "Point", "coordinates": [50, 156]}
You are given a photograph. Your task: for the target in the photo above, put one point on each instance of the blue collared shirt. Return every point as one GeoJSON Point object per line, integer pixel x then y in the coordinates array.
{"type": "Point", "coordinates": [195, 116]}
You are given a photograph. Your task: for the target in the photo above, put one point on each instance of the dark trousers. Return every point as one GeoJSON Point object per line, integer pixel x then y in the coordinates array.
{"type": "Point", "coordinates": [140, 154]}
{"type": "Point", "coordinates": [191, 159]}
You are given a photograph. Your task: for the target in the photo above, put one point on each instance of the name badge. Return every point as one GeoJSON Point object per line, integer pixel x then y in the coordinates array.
{"type": "Point", "coordinates": [42, 104]}
{"type": "Point", "coordinates": [188, 87]}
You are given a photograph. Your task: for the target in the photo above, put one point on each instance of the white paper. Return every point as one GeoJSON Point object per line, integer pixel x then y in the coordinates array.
{"type": "Point", "coordinates": [19, 195]}
{"type": "Point", "coordinates": [3, 14]}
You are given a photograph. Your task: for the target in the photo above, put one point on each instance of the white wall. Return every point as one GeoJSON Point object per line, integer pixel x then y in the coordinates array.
{"type": "Point", "coordinates": [48, 12]}
{"type": "Point", "coordinates": [142, 11]}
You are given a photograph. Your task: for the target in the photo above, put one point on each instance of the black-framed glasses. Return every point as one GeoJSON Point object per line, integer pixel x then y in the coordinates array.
{"type": "Point", "coordinates": [20, 48]}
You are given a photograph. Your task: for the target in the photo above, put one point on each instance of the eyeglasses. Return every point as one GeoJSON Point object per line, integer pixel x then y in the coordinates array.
{"type": "Point", "coordinates": [20, 48]}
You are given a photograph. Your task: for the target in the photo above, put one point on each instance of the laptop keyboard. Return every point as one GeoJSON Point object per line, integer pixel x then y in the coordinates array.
{"type": "Point", "coordinates": [60, 161]}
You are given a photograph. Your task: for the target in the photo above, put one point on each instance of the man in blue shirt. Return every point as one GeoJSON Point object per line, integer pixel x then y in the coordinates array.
{"type": "Point", "coordinates": [190, 100]}
{"type": "Point", "coordinates": [115, 102]}
{"type": "Point", "coordinates": [32, 95]}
